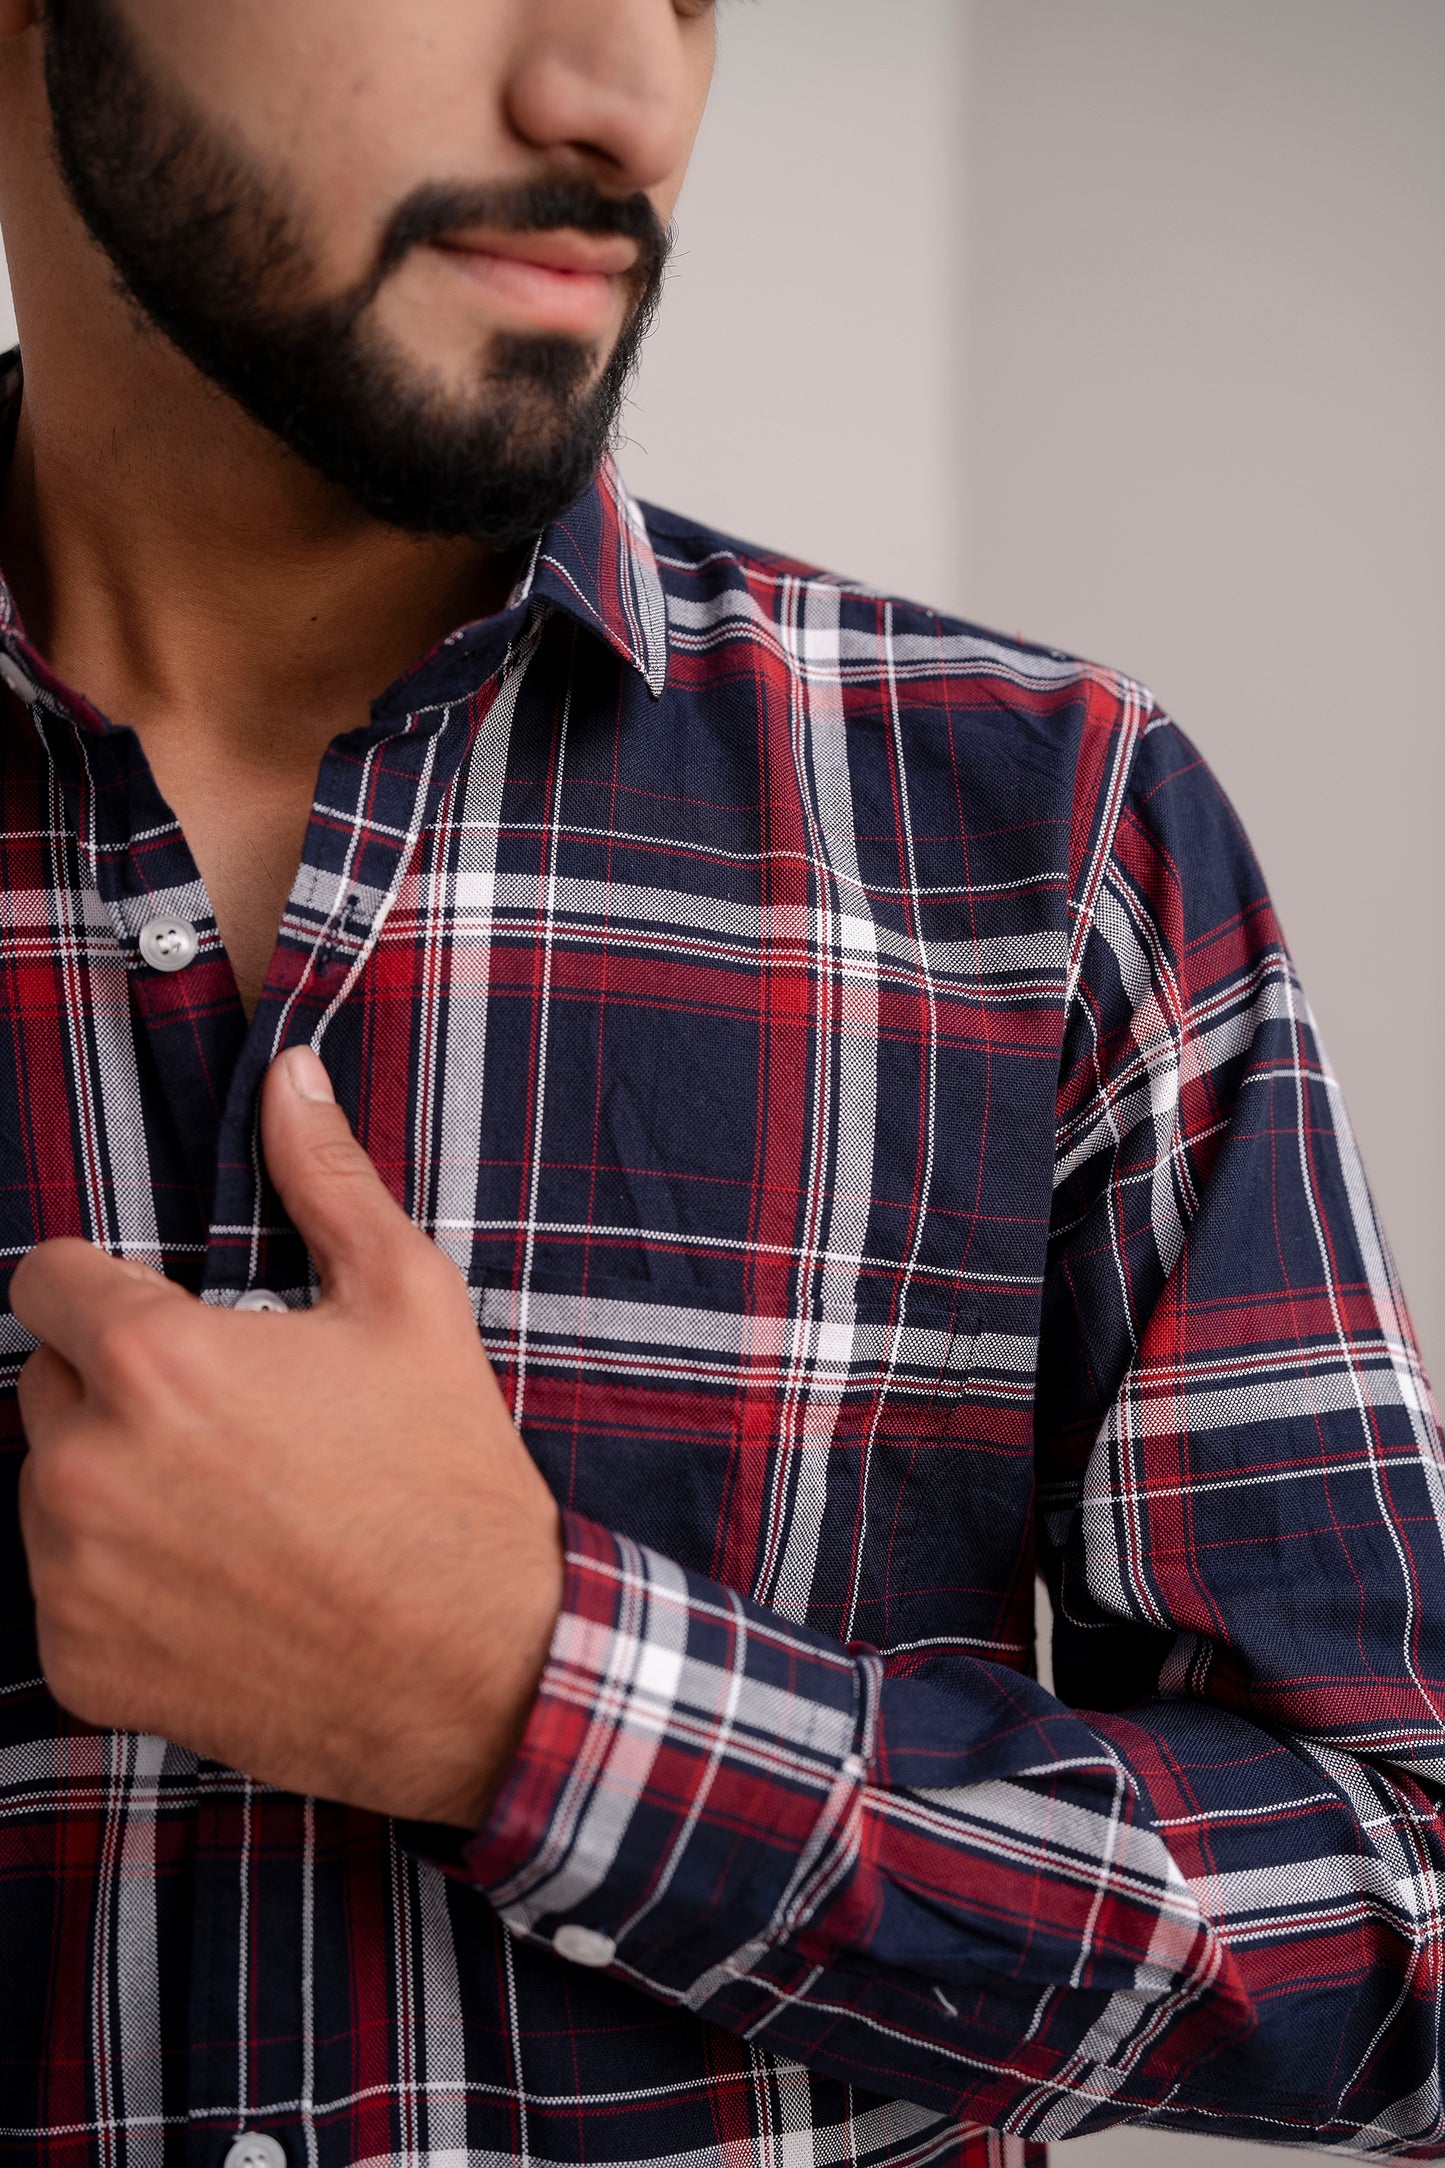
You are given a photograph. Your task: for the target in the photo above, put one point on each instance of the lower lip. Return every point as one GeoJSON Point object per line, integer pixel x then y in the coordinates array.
{"type": "Point", "coordinates": [575, 302]}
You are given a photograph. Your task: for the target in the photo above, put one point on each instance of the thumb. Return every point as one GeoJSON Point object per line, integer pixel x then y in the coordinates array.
{"type": "Point", "coordinates": [356, 1232]}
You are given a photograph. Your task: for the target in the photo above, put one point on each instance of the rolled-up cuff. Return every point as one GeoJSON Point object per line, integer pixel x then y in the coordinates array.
{"type": "Point", "coordinates": [678, 1804]}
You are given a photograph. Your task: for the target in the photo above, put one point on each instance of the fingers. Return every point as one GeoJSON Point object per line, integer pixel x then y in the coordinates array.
{"type": "Point", "coordinates": [72, 1296]}
{"type": "Point", "coordinates": [48, 1391]}
{"type": "Point", "coordinates": [357, 1233]}
{"type": "Point", "coordinates": [87, 1306]}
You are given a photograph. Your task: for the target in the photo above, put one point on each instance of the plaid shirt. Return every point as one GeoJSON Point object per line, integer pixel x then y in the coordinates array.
{"type": "Point", "coordinates": [854, 1062]}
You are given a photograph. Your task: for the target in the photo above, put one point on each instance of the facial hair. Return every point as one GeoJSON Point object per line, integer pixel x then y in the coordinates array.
{"type": "Point", "coordinates": [211, 251]}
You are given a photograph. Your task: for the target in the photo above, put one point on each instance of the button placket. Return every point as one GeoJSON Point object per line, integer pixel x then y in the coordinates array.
{"type": "Point", "coordinates": [374, 805]}
{"type": "Point", "coordinates": [368, 816]}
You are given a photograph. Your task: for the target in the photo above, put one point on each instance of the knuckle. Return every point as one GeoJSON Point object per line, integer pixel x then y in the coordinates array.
{"type": "Point", "coordinates": [419, 1287]}
{"type": "Point", "coordinates": [117, 1351]}
{"type": "Point", "coordinates": [432, 1269]}
{"type": "Point", "coordinates": [60, 1609]}
{"type": "Point", "coordinates": [20, 1281]}
{"type": "Point", "coordinates": [66, 1606]}
{"type": "Point", "coordinates": [31, 1383]}
{"type": "Point", "coordinates": [72, 1672]}
{"type": "Point", "coordinates": [131, 1353]}
{"type": "Point", "coordinates": [32, 1266]}
{"type": "Point", "coordinates": [45, 1261]}
{"type": "Point", "coordinates": [43, 1485]}
{"type": "Point", "coordinates": [65, 1485]}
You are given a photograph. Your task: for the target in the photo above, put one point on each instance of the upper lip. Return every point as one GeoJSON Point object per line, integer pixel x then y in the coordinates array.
{"type": "Point", "coordinates": [561, 249]}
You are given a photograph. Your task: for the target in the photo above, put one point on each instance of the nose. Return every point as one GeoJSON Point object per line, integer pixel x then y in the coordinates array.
{"type": "Point", "coordinates": [616, 82]}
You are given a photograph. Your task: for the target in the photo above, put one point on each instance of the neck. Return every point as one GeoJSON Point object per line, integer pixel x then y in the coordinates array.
{"type": "Point", "coordinates": [171, 559]}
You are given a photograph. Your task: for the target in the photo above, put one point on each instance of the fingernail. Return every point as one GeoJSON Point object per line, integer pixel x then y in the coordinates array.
{"type": "Point", "coordinates": [306, 1073]}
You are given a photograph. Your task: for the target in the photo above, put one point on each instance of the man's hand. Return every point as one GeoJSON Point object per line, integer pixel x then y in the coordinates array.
{"type": "Point", "coordinates": [311, 1545]}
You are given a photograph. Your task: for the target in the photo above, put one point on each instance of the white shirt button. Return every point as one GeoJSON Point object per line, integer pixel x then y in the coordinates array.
{"type": "Point", "coordinates": [584, 1945]}
{"type": "Point", "coordinates": [23, 687]}
{"type": "Point", "coordinates": [168, 944]}
{"type": "Point", "coordinates": [258, 1298]}
{"type": "Point", "coordinates": [257, 2149]}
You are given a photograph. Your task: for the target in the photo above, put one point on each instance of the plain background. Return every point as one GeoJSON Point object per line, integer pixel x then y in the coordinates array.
{"type": "Point", "coordinates": [1120, 323]}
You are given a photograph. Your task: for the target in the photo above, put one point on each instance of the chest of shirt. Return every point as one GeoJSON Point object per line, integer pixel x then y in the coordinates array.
{"type": "Point", "coordinates": [721, 1058]}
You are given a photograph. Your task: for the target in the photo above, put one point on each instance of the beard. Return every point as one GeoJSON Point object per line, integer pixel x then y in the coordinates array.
{"type": "Point", "coordinates": [210, 250]}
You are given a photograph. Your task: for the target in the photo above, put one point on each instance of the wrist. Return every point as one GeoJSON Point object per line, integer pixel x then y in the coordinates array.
{"type": "Point", "coordinates": [527, 1603]}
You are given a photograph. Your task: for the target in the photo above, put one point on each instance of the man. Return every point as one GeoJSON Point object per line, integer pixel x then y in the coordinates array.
{"type": "Point", "coordinates": [522, 1643]}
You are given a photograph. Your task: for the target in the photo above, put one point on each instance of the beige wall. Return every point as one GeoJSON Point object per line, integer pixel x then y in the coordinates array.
{"type": "Point", "coordinates": [1207, 420]}
{"type": "Point", "coordinates": [801, 387]}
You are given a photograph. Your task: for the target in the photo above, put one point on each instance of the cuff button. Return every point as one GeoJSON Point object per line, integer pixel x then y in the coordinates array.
{"type": "Point", "coordinates": [584, 1945]}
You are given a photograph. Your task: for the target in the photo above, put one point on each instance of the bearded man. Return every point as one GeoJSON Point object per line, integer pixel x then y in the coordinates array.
{"type": "Point", "coordinates": [604, 1139]}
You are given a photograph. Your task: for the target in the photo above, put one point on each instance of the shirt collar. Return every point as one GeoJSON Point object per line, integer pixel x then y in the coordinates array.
{"type": "Point", "coordinates": [596, 562]}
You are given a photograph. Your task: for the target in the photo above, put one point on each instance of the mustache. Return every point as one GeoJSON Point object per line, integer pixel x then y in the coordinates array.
{"type": "Point", "coordinates": [435, 210]}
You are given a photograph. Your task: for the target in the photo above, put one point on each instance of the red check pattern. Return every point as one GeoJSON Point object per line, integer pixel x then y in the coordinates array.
{"type": "Point", "coordinates": [853, 1060]}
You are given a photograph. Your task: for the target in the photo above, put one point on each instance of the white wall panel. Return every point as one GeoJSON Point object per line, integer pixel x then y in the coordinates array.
{"type": "Point", "coordinates": [1207, 443]}
{"type": "Point", "coordinates": [803, 387]}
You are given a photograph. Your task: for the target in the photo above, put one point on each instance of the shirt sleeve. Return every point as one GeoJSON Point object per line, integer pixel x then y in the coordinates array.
{"type": "Point", "coordinates": [1204, 1884]}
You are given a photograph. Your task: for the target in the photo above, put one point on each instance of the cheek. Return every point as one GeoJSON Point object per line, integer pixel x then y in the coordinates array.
{"type": "Point", "coordinates": [342, 108]}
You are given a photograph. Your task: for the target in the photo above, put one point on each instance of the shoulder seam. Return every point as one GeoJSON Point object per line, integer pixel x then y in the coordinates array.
{"type": "Point", "coordinates": [1138, 713]}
